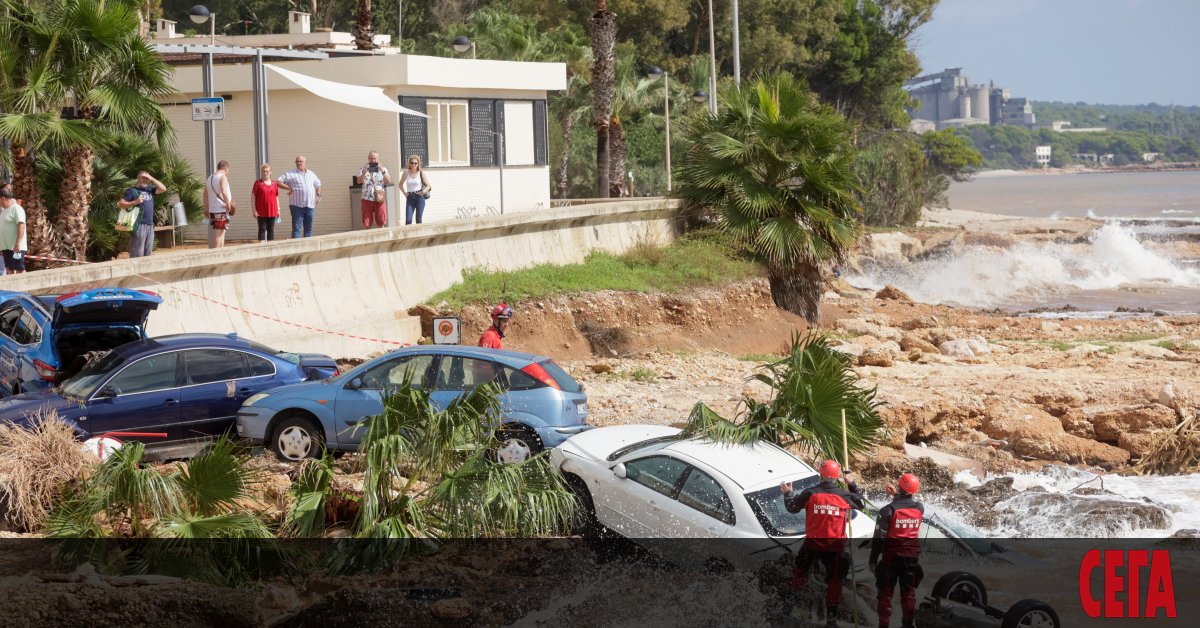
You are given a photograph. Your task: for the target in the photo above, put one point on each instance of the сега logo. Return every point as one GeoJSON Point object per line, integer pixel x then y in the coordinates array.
{"type": "Point", "coordinates": [1122, 574]}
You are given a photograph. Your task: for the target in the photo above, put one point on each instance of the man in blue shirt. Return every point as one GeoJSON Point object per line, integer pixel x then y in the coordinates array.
{"type": "Point", "coordinates": [141, 240]}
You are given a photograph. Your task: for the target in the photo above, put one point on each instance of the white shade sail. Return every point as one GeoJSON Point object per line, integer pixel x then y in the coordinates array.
{"type": "Point", "coordinates": [345, 93]}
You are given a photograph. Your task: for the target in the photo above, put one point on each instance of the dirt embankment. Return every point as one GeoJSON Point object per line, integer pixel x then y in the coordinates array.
{"type": "Point", "coordinates": [1010, 392]}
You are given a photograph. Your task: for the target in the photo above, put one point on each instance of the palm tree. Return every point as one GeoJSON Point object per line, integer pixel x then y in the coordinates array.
{"type": "Point", "coordinates": [811, 388]}
{"type": "Point", "coordinates": [602, 29]}
{"type": "Point", "coordinates": [364, 30]}
{"type": "Point", "coordinates": [775, 167]}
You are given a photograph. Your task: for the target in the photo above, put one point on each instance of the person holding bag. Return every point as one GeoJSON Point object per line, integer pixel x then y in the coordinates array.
{"type": "Point", "coordinates": [140, 198]}
{"type": "Point", "coordinates": [416, 190]}
{"type": "Point", "coordinates": [218, 205]}
{"type": "Point", "coordinates": [374, 180]}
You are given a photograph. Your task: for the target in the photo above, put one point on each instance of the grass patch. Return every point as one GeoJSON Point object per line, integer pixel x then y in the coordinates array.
{"type": "Point", "coordinates": [643, 374]}
{"type": "Point", "coordinates": [1136, 337]}
{"type": "Point", "coordinates": [761, 358]}
{"type": "Point", "coordinates": [699, 259]}
{"type": "Point", "coordinates": [1062, 346]}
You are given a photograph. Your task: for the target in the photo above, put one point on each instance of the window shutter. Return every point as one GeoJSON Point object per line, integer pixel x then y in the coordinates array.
{"type": "Point", "coordinates": [414, 130]}
{"type": "Point", "coordinates": [499, 109]}
{"type": "Point", "coordinates": [541, 148]}
{"type": "Point", "coordinates": [483, 144]}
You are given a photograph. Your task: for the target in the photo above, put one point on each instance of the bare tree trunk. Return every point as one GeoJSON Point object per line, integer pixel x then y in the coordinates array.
{"type": "Point", "coordinates": [797, 290]}
{"type": "Point", "coordinates": [603, 31]}
{"type": "Point", "coordinates": [74, 202]}
{"type": "Point", "coordinates": [41, 235]}
{"type": "Point", "coordinates": [618, 149]}
{"type": "Point", "coordinates": [568, 124]}
{"type": "Point", "coordinates": [364, 31]}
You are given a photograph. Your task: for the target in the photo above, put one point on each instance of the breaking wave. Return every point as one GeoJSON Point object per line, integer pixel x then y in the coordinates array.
{"type": "Point", "coordinates": [987, 276]}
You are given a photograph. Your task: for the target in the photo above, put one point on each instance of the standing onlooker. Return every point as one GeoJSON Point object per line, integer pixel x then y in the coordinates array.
{"type": "Point", "coordinates": [304, 192]}
{"type": "Point", "coordinates": [9, 188]}
{"type": "Point", "coordinates": [265, 198]}
{"type": "Point", "coordinates": [374, 180]}
{"type": "Point", "coordinates": [218, 204]}
{"type": "Point", "coordinates": [416, 190]}
{"type": "Point", "coordinates": [141, 240]}
{"type": "Point", "coordinates": [12, 232]}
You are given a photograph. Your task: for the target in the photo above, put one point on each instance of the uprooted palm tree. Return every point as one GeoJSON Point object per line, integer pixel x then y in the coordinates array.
{"type": "Point", "coordinates": [775, 169]}
{"type": "Point", "coordinates": [810, 389]}
{"type": "Point", "coordinates": [432, 474]}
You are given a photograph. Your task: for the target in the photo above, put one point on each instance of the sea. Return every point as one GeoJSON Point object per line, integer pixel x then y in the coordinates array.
{"type": "Point", "coordinates": [1128, 266]}
{"type": "Point", "coordinates": [1140, 259]}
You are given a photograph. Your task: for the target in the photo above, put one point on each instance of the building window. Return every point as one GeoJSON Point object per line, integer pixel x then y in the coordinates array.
{"type": "Point", "coordinates": [449, 141]}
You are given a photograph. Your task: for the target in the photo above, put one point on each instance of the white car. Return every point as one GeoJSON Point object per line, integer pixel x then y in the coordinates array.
{"type": "Point", "coordinates": [645, 482]}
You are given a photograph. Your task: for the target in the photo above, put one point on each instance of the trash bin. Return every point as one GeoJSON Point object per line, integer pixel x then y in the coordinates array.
{"type": "Point", "coordinates": [393, 210]}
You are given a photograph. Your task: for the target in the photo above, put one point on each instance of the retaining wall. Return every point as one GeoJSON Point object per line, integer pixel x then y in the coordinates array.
{"type": "Point", "coordinates": [360, 283]}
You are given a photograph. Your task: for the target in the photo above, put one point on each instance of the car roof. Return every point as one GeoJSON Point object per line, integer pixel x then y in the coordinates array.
{"type": "Point", "coordinates": [473, 352]}
{"type": "Point", "coordinates": [746, 465]}
{"type": "Point", "coordinates": [185, 341]}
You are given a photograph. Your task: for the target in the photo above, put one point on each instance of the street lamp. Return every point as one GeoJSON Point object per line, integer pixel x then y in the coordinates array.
{"type": "Point", "coordinates": [699, 96]}
{"type": "Point", "coordinates": [654, 72]}
{"type": "Point", "coordinates": [199, 15]}
{"type": "Point", "coordinates": [462, 42]}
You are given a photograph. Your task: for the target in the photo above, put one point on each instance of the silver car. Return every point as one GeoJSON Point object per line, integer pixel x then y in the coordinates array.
{"type": "Point", "coordinates": [542, 404]}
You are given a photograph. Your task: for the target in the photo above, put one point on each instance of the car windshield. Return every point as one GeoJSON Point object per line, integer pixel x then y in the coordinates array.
{"type": "Point", "coordinates": [767, 505]}
{"type": "Point", "coordinates": [294, 358]}
{"type": "Point", "coordinates": [658, 440]}
{"type": "Point", "coordinates": [86, 381]}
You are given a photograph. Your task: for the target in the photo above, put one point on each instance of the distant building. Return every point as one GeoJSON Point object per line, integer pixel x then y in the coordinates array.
{"type": "Point", "coordinates": [1092, 157]}
{"type": "Point", "coordinates": [948, 99]}
{"type": "Point", "coordinates": [919, 126]}
{"type": "Point", "coordinates": [1042, 154]}
{"type": "Point", "coordinates": [1150, 157]}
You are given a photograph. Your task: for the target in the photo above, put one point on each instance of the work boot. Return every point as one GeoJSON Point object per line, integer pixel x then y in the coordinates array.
{"type": "Point", "coordinates": [909, 623]}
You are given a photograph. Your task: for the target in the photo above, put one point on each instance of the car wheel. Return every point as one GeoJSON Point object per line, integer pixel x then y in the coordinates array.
{"type": "Point", "coordinates": [517, 445]}
{"type": "Point", "coordinates": [584, 523]}
{"type": "Point", "coordinates": [1030, 614]}
{"type": "Point", "coordinates": [297, 438]}
{"type": "Point", "coordinates": [961, 587]}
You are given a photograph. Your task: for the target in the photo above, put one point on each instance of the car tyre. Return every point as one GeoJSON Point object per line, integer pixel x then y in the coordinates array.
{"type": "Point", "coordinates": [297, 438]}
{"type": "Point", "coordinates": [584, 523]}
{"type": "Point", "coordinates": [1030, 614]}
{"type": "Point", "coordinates": [517, 444]}
{"type": "Point", "coordinates": [961, 587]}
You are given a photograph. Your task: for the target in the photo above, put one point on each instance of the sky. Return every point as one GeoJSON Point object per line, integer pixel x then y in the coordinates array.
{"type": "Point", "coordinates": [1120, 52]}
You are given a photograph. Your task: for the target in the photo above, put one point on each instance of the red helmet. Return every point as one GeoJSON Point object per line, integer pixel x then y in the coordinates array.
{"type": "Point", "coordinates": [909, 483]}
{"type": "Point", "coordinates": [502, 311]}
{"type": "Point", "coordinates": [830, 469]}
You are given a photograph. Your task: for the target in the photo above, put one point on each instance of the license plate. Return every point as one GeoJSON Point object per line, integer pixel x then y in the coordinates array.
{"type": "Point", "coordinates": [581, 408]}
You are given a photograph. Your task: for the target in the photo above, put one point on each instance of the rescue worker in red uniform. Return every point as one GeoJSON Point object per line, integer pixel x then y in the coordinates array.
{"type": "Point", "coordinates": [896, 550]}
{"type": "Point", "coordinates": [492, 335]}
{"type": "Point", "coordinates": [827, 507]}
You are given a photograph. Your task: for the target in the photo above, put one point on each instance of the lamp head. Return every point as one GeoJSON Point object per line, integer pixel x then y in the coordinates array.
{"type": "Point", "coordinates": [199, 14]}
{"type": "Point", "coordinates": [654, 72]}
{"type": "Point", "coordinates": [462, 43]}
{"type": "Point", "coordinates": [699, 95]}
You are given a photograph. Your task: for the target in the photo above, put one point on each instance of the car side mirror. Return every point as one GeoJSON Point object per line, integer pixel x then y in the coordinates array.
{"type": "Point", "coordinates": [355, 384]}
{"type": "Point", "coordinates": [108, 392]}
{"type": "Point", "coordinates": [619, 470]}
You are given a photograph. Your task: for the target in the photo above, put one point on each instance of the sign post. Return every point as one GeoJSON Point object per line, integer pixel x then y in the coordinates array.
{"type": "Point", "coordinates": [208, 109]}
{"type": "Point", "coordinates": [446, 330]}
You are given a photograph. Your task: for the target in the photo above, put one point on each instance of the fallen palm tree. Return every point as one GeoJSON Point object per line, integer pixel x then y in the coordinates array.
{"type": "Point", "coordinates": [39, 460]}
{"type": "Point", "coordinates": [1176, 451]}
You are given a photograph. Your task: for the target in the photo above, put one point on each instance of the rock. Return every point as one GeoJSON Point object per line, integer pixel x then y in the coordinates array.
{"type": "Point", "coordinates": [978, 345]}
{"type": "Point", "coordinates": [1034, 433]}
{"type": "Point", "coordinates": [891, 345]}
{"type": "Point", "coordinates": [912, 342]}
{"type": "Point", "coordinates": [938, 336]}
{"type": "Point", "coordinates": [892, 293]}
{"type": "Point", "coordinates": [1112, 424]}
{"type": "Point", "coordinates": [600, 367]}
{"type": "Point", "coordinates": [867, 341]}
{"type": "Point", "coordinates": [1152, 351]}
{"type": "Point", "coordinates": [1051, 326]}
{"type": "Point", "coordinates": [1032, 513]}
{"type": "Point", "coordinates": [876, 356]}
{"type": "Point", "coordinates": [1166, 396]}
{"type": "Point", "coordinates": [451, 609]}
{"type": "Point", "coordinates": [1085, 349]}
{"type": "Point", "coordinates": [958, 349]}
{"type": "Point", "coordinates": [891, 248]}
{"type": "Point", "coordinates": [849, 348]}
{"type": "Point", "coordinates": [1161, 326]}
{"type": "Point", "coordinates": [925, 322]}
{"type": "Point", "coordinates": [1138, 445]}
{"type": "Point", "coordinates": [862, 327]}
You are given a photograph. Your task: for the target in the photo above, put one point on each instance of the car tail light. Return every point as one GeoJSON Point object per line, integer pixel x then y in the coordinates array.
{"type": "Point", "coordinates": [66, 296]}
{"type": "Point", "coordinates": [45, 371]}
{"type": "Point", "coordinates": [536, 371]}
{"type": "Point", "coordinates": [153, 294]}
{"type": "Point", "coordinates": [336, 372]}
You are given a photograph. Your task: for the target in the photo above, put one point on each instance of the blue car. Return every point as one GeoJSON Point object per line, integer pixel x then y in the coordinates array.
{"type": "Point", "coordinates": [542, 404]}
{"type": "Point", "coordinates": [46, 339]}
{"type": "Point", "coordinates": [186, 387]}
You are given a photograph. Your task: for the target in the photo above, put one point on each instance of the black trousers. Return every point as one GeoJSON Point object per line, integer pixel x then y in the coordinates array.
{"type": "Point", "coordinates": [266, 229]}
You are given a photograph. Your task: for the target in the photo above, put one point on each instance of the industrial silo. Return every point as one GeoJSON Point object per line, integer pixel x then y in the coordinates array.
{"type": "Point", "coordinates": [980, 103]}
{"type": "Point", "coordinates": [964, 104]}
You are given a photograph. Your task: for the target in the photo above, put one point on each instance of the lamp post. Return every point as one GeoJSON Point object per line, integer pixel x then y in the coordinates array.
{"type": "Point", "coordinates": [462, 42]}
{"type": "Point", "coordinates": [699, 96]}
{"type": "Point", "coordinates": [737, 46]}
{"type": "Point", "coordinates": [712, 63]}
{"type": "Point", "coordinates": [654, 72]}
{"type": "Point", "coordinates": [199, 15]}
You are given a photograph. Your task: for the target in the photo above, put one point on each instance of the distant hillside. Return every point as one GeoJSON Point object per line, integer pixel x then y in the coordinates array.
{"type": "Point", "coordinates": [1177, 121]}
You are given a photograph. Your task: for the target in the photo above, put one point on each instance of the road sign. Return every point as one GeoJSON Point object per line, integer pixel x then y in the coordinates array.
{"type": "Point", "coordinates": [205, 109]}
{"type": "Point", "coordinates": [446, 330]}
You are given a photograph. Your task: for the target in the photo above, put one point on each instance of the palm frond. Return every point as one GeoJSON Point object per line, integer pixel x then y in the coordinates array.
{"type": "Point", "coordinates": [217, 479]}
{"type": "Point", "coordinates": [310, 492]}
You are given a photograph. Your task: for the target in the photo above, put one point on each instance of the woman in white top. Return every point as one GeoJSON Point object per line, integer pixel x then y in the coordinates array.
{"type": "Point", "coordinates": [416, 190]}
{"type": "Point", "coordinates": [218, 204]}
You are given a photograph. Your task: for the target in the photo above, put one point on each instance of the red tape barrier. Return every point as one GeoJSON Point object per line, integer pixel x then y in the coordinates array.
{"type": "Point", "coordinates": [243, 310]}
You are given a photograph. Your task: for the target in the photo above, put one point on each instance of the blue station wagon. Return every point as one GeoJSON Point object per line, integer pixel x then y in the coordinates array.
{"type": "Point", "coordinates": [46, 339]}
{"type": "Point", "coordinates": [542, 404]}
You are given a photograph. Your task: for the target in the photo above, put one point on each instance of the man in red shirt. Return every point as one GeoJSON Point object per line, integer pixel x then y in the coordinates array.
{"type": "Point", "coordinates": [897, 541]}
{"type": "Point", "coordinates": [827, 507]}
{"type": "Point", "coordinates": [492, 335]}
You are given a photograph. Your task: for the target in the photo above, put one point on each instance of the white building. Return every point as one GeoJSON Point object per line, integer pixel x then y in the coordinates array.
{"type": "Point", "coordinates": [1042, 154]}
{"type": "Point", "coordinates": [462, 163]}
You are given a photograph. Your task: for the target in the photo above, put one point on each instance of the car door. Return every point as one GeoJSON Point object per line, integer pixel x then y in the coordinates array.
{"type": "Point", "coordinates": [354, 405]}
{"type": "Point", "coordinates": [212, 391]}
{"type": "Point", "coordinates": [141, 397]}
{"type": "Point", "coordinates": [9, 349]}
{"type": "Point", "coordinates": [632, 504]}
{"type": "Point", "coordinates": [457, 374]}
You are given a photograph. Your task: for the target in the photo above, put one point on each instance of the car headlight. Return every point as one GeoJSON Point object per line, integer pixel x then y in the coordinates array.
{"type": "Point", "coordinates": [255, 399]}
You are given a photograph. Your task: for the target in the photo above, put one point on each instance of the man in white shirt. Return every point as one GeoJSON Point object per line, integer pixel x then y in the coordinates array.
{"type": "Point", "coordinates": [304, 192]}
{"type": "Point", "coordinates": [12, 232]}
